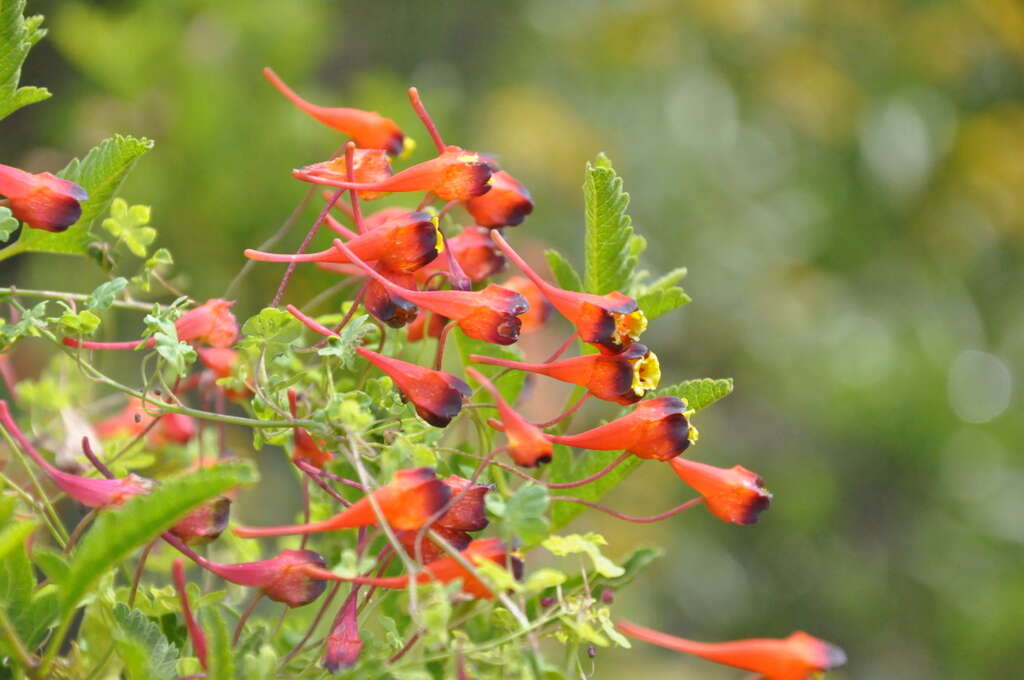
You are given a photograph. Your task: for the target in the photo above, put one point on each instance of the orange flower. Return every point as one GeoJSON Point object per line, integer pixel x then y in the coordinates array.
{"type": "Point", "coordinates": [624, 378]}
{"type": "Point", "coordinates": [436, 395]}
{"type": "Point", "coordinates": [611, 322]}
{"type": "Point", "coordinates": [506, 205]}
{"type": "Point", "coordinates": [465, 513]}
{"type": "Point", "coordinates": [527, 445]}
{"type": "Point", "coordinates": [490, 314]}
{"type": "Point", "coordinates": [42, 201]}
{"type": "Point", "coordinates": [211, 322]}
{"type": "Point", "coordinates": [656, 429]}
{"type": "Point", "coordinates": [408, 501]}
{"type": "Point", "coordinates": [445, 570]}
{"type": "Point", "coordinates": [454, 175]}
{"type": "Point", "coordinates": [797, 657]}
{"type": "Point", "coordinates": [368, 166]}
{"type": "Point", "coordinates": [475, 252]}
{"type": "Point", "coordinates": [404, 244]}
{"type": "Point", "coordinates": [134, 419]}
{"type": "Point", "coordinates": [368, 129]}
{"type": "Point", "coordinates": [386, 306]}
{"type": "Point", "coordinates": [205, 523]}
{"type": "Point", "coordinates": [306, 447]}
{"type": "Point", "coordinates": [734, 495]}
{"type": "Point", "coordinates": [420, 325]}
{"type": "Point", "coordinates": [540, 308]}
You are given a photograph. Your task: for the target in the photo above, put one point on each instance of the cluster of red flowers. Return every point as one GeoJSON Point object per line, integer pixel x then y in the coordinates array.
{"type": "Point", "coordinates": [417, 277]}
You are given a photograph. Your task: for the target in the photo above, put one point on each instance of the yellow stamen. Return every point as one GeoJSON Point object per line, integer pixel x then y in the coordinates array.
{"type": "Point", "coordinates": [628, 327]}
{"type": "Point", "coordinates": [646, 374]}
{"type": "Point", "coordinates": [408, 146]}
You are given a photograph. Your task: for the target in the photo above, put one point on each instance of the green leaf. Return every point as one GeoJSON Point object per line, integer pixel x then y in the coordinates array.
{"type": "Point", "coordinates": [221, 658]}
{"type": "Point", "coordinates": [699, 393]}
{"type": "Point", "coordinates": [663, 295]}
{"type": "Point", "coordinates": [8, 223]}
{"type": "Point", "coordinates": [178, 354]}
{"type": "Point", "coordinates": [118, 532]}
{"type": "Point", "coordinates": [526, 515]}
{"type": "Point", "coordinates": [610, 246]}
{"type": "Point", "coordinates": [272, 330]}
{"type": "Point", "coordinates": [159, 258]}
{"type": "Point", "coordinates": [146, 653]}
{"type": "Point", "coordinates": [343, 347]}
{"type": "Point", "coordinates": [588, 544]}
{"type": "Point", "coordinates": [105, 294]}
{"type": "Point", "coordinates": [130, 226]}
{"type": "Point", "coordinates": [31, 611]}
{"type": "Point", "coordinates": [18, 34]}
{"type": "Point", "coordinates": [565, 275]}
{"type": "Point", "coordinates": [100, 173]}
{"type": "Point", "coordinates": [634, 565]}
{"type": "Point", "coordinates": [82, 323]}
{"type": "Point", "coordinates": [51, 562]}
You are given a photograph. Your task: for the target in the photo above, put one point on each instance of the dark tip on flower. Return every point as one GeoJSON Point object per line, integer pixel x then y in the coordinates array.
{"type": "Point", "coordinates": [506, 205]}
{"type": "Point", "coordinates": [463, 180]}
{"type": "Point", "coordinates": [205, 523]}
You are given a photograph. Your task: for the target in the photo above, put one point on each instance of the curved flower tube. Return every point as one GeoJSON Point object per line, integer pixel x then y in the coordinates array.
{"type": "Point", "coordinates": [454, 175]}
{"type": "Point", "coordinates": [466, 512]}
{"type": "Point", "coordinates": [734, 495]}
{"type": "Point", "coordinates": [421, 326]}
{"type": "Point", "coordinates": [474, 251]}
{"type": "Point", "coordinates": [506, 205]}
{"type": "Point", "coordinates": [408, 501]}
{"type": "Point", "coordinates": [343, 644]}
{"type": "Point", "coordinates": [445, 570]}
{"type": "Point", "coordinates": [211, 323]}
{"type": "Point", "coordinates": [195, 633]}
{"type": "Point", "coordinates": [527, 444]}
{"type": "Point", "coordinates": [90, 492]}
{"type": "Point", "coordinates": [490, 314]}
{"type": "Point", "coordinates": [404, 244]}
{"type": "Point", "coordinates": [42, 201]}
{"type": "Point", "coordinates": [368, 129]}
{"type": "Point", "coordinates": [611, 322]}
{"type": "Point", "coordinates": [368, 166]}
{"type": "Point", "coordinates": [623, 378]}
{"type": "Point", "coordinates": [798, 657]}
{"type": "Point", "coordinates": [436, 395]}
{"type": "Point", "coordinates": [656, 429]}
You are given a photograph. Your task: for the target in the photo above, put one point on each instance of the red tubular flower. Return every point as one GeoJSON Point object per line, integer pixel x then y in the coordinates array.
{"type": "Point", "coordinates": [436, 395]}
{"type": "Point", "coordinates": [368, 166]}
{"type": "Point", "coordinates": [506, 205]}
{"type": "Point", "coordinates": [527, 444]}
{"type": "Point", "coordinates": [195, 633]}
{"type": "Point", "coordinates": [475, 252]}
{"type": "Point", "coordinates": [445, 570]}
{"type": "Point", "coordinates": [368, 129]}
{"type": "Point", "coordinates": [611, 322]}
{"type": "Point", "coordinates": [134, 419]}
{"type": "Point", "coordinates": [656, 429]}
{"type": "Point", "coordinates": [343, 645]}
{"type": "Point", "coordinates": [734, 495]}
{"type": "Point", "coordinates": [420, 326]}
{"type": "Point", "coordinates": [404, 244]}
{"type": "Point", "coordinates": [623, 378]}
{"type": "Point", "coordinates": [90, 492]}
{"type": "Point", "coordinates": [490, 314]}
{"type": "Point", "coordinates": [465, 513]}
{"type": "Point", "coordinates": [205, 523]}
{"type": "Point", "coordinates": [540, 308]}
{"type": "Point", "coordinates": [797, 657]}
{"type": "Point", "coordinates": [42, 201]}
{"type": "Point", "coordinates": [211, 323]}
{"type": "Point", "coordinates": [391, 309]}
{"type": "Point", "coordinates": [408, 501]}
{"type": "Point", "coordinates": [454, 175]}
{"type": "Point", "coordinates": [306, 447]}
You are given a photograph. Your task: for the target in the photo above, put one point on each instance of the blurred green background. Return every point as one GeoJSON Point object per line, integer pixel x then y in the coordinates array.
{"type": "Point", "coordinates": [845, 181]}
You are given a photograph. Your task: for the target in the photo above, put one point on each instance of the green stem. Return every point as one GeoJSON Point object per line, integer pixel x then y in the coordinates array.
{"type": "Point", "coordinates": [14, 644]}
{"type": "Point", "coordinates": [59, 295]}
{"type": "Point", "coordinates": [53, 520]}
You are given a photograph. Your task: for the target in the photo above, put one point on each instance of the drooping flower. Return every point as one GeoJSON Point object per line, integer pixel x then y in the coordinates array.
{"type": "Point", "coordinates": [734, 495]}
{"type": "Point", "coordinates": [611, 322]}
{"type": "Point", "coordinates": [408, 501]}
{"type": "Point", "coordinates": [506, 205]}
{"type": "Point", "coordinates": [134, 419]}
{"type": "Point", "coordinates": [466, 512]}
{"type": "Point", "coordinates": [490, 314]}
{"type": "Point", "coordinates": [798, 657]}
{"type": "Point", "coordinates": [42, 201]}
{"type": "Point", "coordinates": [623, 378]}
{"type": "Point", "coordinates": [540, 308]}
{"type": "Point", "coordinates": [404, 244]}
{"type": "Point", "coordinates": [454, 175]}
{"type": "Point", "coordinates": [368, 166]}
{"type": "Point", "coordinates": [527, 444]}
{"type": "Point", "coordinates": [475, 252]}
{"type": "Point", "coordinates": [656, 429]}
{"type": "Point", "coordinates": [211, 323]}
{"type": "Point", "coordinates": [445, 570]}
{"type": "Point", "coordinates": [90, 492]}
{"type": "Point", "coordinates": [390, 308]}
{"type": "Point", "coordinates": [368, 129]}
{"type": "Point", "coordinates": [436, 395]}
{"type": "Point", "coordinates": [205, 523]}
{"type": "Point", "coordinates": [306, 447]}
{"type": "Point", "coordinates": [343, 644]}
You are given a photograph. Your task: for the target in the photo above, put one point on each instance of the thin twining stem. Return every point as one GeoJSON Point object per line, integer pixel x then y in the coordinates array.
{"type": "Point", "coordinates": [302, 247]}
{"type": "Point", "coordinates": [551, 485]}
{"type": "Point", "coordinates": [693, 502]}
{"type": "Point", "coordinates": [567, 412]}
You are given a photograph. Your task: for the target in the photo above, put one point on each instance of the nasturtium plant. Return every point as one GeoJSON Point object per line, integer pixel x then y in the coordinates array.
{"type": "Point", "coordinates": [429, 535]}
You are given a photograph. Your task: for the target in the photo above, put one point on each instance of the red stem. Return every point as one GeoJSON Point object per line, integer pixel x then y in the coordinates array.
{"type": "Point", "coordinates": [302, 248]}
{"type": "Point", "coordinates": [195, 633]}
{"type": "Point", "coordinates": [94, 344]}
{"type": "Point", "coordinates": [428, 122]}
{"type": "Point", "coordinates": [633, 518]}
